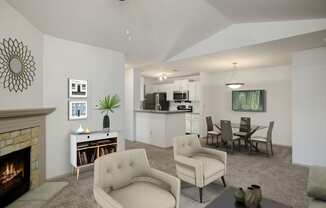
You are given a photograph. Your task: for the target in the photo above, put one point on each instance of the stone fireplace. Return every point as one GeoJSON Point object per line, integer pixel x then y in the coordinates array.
{"type": "Point", "coordinates": [22, 151]}
{"type": "Point", "coordinates": [14, 175]}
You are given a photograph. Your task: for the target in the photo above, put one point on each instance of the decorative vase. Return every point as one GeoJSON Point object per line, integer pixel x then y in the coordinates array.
{"type": "Point", "coordinates": [239, 195]}
{"type": "Point", "coordinates": [106, 122]}
{"type": "Point", "coordinates": [258, 192]}
{"type": "Point", "coordinates": [80, 130]}
{"type": "Point", "coordinates": [251, 198]}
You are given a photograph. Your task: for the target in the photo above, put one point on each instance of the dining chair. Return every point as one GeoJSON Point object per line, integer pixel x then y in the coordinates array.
{"type": "Point", "coordinates": [255, 140]}
{"type": "Point", "coordinates": [227, 135]}
{"type": "Point", "coordinates": [211, 132]}
{"type": "Point", "coordinates": [244, 130]}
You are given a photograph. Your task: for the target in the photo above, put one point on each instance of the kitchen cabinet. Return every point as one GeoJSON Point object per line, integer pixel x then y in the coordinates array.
{"type": "Point", "coordinates": [159, 129]}
{"type": "Point", "coordinates": [192, 121]}
{"type": "Point", "coordinates": [142, 89]}
{"type": "Point", "coordinates": [188, 126]}
{"type": "Point", "coordinates": [181, 85]}
{"type": "Point", "coordinates": [193, 88]}
{"type": "Point", "coordinates": [195, 126]}
{"type": "Point", "coordinates": [149, 89]}
{"type": "Point", "coordinates": [169, 92]}
{"type": "Point", "coordinates": [178, 85]}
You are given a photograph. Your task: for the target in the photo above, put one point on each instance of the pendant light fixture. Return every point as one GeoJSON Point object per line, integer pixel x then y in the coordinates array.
{"type": "Point", "coordinates": [234, 85]}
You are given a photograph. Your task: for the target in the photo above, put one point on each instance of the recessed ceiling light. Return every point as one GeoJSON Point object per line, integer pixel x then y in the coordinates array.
{"type": "Point", "coordinates": [127, 31]}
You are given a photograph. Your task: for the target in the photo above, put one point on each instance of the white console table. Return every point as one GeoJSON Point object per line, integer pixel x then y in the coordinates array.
{"type": "Point", "coordinates": [86, 148]}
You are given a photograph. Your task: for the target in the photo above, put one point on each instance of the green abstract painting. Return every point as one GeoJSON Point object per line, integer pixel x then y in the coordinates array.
{"type": "Point", "coordinates": [248, 100]}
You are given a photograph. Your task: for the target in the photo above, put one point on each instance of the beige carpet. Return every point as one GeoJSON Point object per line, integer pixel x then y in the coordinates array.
{"type": "Point", "coordinates": [280, 180]}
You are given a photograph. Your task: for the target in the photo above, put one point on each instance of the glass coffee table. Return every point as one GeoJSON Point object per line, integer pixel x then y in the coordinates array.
{"type": "Point", "coordinates": [226, 200]}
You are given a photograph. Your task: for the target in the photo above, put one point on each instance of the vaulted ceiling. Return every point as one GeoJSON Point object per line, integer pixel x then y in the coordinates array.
{"type": "Point", "coordinates": [271, 53]}
{"type": "Point", "coordinates": [151, 32]}
{"type": "Point", "coordinates": [270, 10]}
{"type": "Point", "coordinates": [158, 29]}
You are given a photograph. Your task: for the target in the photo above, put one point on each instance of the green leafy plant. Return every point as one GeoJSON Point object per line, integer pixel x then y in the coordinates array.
{"type": "Point", "coordinates": [109, 104]}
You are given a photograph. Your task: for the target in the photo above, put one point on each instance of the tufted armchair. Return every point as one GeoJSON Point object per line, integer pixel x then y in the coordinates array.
{"type": "Point", "coordinates": [125, 180]}
{"type": "Point", "coordinates": [197, 165]}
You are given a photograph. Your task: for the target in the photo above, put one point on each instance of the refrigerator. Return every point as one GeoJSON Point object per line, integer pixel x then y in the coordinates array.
{"type": "Point", "coordinates": [156, 101]}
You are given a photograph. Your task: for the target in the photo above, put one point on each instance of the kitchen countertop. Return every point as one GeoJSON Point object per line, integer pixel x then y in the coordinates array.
{"type": "Point", "coordinates": [162, 111]}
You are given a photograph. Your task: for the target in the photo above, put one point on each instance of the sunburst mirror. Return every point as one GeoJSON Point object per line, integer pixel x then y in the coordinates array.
{"type": "Point", "coordinates": [17, 65]}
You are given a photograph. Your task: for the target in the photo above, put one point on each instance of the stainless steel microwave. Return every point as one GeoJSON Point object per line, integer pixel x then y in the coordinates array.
{"type": "Point", "coordinates": [180, 95]}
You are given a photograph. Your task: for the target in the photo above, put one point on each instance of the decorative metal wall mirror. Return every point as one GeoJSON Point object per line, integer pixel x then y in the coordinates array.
{"type": "Point", "coordinates": [17, 66]}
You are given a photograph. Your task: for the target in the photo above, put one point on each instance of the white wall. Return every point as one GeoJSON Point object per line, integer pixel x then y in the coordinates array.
{"type": "Point", "coordinates": [14, 25]}
{"type": "Point", "coordinates": [129, 106]}
{"type": "Point", "coordinates": [133, 100]}
{"type": "Point", "coordinates": [309, 107]}
{"type": "Point", "coordinates": [217, 99]}
{"type": "Point", "coordinates": [104, 70]}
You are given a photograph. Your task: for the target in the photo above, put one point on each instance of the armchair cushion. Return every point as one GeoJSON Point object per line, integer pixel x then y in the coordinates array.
{"type": "Point", "coordinates": [317, 183]}
{"type": "Point", "coordinates": [144, 195]}
{"type": "Point", "coordinates": [211, 165]}
{"type": "Point", "coordinates": [186, 145]}
{"type": "Point", "coordinates": [214, 132]}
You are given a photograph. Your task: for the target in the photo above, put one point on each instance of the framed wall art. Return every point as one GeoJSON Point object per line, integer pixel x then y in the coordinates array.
{"type": "Point", "coordinates": [77, 110]}
{"type": "Point", "coordinates": [77, 88]}
{"type": "Point", "coordinates": [249, 101]}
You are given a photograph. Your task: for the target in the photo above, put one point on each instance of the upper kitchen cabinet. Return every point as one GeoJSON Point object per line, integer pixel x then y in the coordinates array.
{"type": "Point", "coordinates": [184, 85]}
{"type": "Point", "coordinates": [193, 87]}
{"type": "Point", "coordinates": [142, 89]}
{"type": "Point", "coordinates": [181, 85]}
{"type": "Point", "coordinates": [152, 88]}
{"type": "Point", "coordinates": [169, 91]}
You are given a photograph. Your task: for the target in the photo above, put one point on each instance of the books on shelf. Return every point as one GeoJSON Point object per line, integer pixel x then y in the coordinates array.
{"type": "Point", "coordinates": [87, 152]}
{"type": "Point", "coordinates": [86, 157]}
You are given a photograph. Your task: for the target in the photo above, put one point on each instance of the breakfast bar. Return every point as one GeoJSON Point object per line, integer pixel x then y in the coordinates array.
{"type": "Point", "coordinates": [159, 127]}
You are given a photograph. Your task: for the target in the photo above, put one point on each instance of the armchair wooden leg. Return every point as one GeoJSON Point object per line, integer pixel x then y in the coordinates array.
{"type": "Point", "coordinates": [201, 195]}
{"type": "Point", "coordinates": [272, 149]}
{"type": "Point", "coordinates": [267, 151]}
{"type": "Point", "coordinates": [223, 180]}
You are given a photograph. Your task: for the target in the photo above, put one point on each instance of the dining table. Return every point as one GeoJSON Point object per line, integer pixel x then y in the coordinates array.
{"type": "Point", "coordinates": [253, 129]}
{"type": "Point", "coordinates": [237, 126]}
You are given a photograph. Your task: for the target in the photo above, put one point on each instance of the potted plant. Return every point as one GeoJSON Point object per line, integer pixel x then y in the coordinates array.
{"type": "Point", "coordinates": [108, 104]}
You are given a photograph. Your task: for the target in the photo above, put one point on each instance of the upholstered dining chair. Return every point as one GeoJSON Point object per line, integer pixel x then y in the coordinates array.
{"type": "Point", "coordinates": [227, 135]}
{"type": "Point", "coordinates": [211, 132]}
{"type": "Point", "coordinates": [197, 165]}
{"type": "Point", "coordinates": [244, 130]}
{"type": "Point", "coordinates": [255, 140]}
{"type": "Point", "coordinates": [125, 180]}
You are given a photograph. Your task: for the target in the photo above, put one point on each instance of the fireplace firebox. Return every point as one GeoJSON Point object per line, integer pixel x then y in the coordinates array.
{"type": "Point", "coordinates": [14, 175]}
